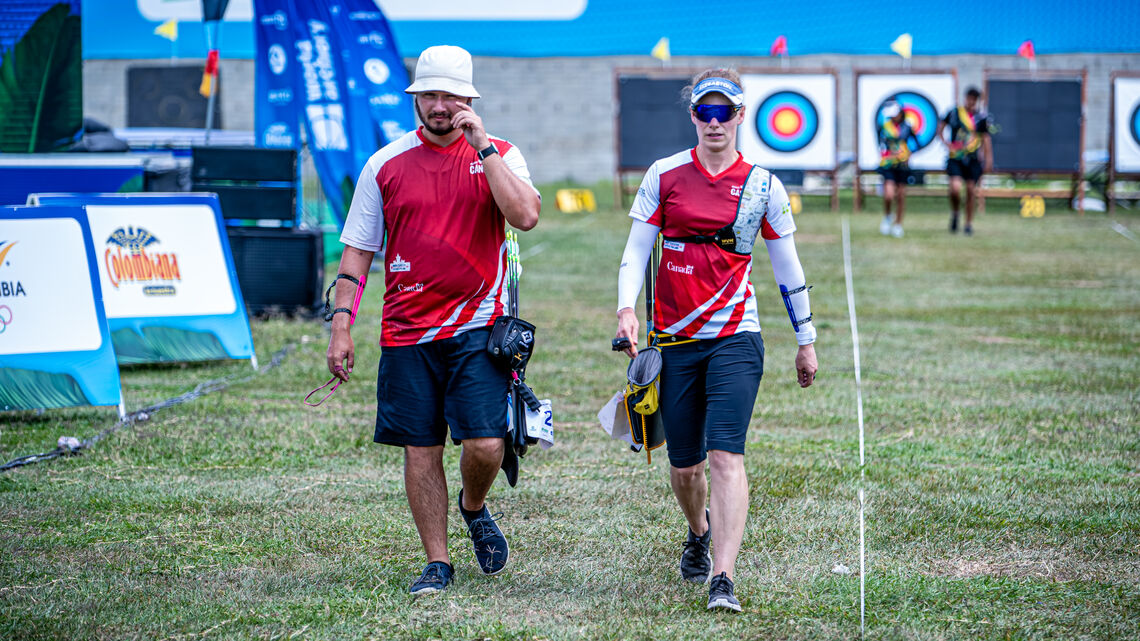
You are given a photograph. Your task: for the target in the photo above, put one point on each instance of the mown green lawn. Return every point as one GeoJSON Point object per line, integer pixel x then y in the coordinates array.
{"type": "Point", "coordinates": [1000, 375]}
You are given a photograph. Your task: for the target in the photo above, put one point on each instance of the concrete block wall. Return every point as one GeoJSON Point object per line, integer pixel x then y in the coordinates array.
{"type": "Point", "coordinates": [561, 111]}
{"type": "Point", "coordinates": [105, 89]}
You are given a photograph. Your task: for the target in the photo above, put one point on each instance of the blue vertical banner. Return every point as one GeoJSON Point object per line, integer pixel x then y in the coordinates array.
{"type": "Point", "coordinates": [333, 67]}
{"type": "Point", "coordinates": [380, 110]}
{"type": "Point", "coordinates": [276, 117]}
{"type": "Point", "coordinates": [323, 104]}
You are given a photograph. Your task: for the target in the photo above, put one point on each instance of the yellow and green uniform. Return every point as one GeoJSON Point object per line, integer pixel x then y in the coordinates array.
{"type": "Point", "coordinates": [966, 132]}
{"type": "Point", "coordinates": [896, 141]}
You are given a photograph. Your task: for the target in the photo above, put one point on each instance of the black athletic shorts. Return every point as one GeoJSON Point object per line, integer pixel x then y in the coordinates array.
{"type": "Point", "coordinates": [421, 390]}
{"type": "Point", "coordinates": [898, 174]}
{"type": "Point", "coordinates": [708, 389]}
{"type": "Point", "coordinates": [969, 169]}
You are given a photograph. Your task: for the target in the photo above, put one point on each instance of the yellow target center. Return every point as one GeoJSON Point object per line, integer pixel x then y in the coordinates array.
{"type": "Point", "coordinates": [787, 121]}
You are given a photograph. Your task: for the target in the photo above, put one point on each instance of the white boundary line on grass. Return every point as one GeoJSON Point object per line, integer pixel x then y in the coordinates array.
{"type": "Point", "coordinates": [534, 251]}
{"type": "Point", "coordinates": [1124, 231]}
{"type": "Point", "coordinates": [859, 406]}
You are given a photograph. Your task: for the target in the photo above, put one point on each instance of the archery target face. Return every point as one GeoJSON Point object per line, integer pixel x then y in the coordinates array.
{"type": "Point", "coordinates": [1134, 123]}
{"type": "Point", "coordinates": [924, 98]}
{"type": "Point", "coordinates": [1126, 125]}
{"type": "Point", "coordinates": [918, 111]}
{"type": "Point", "coordinates": [789, 121]}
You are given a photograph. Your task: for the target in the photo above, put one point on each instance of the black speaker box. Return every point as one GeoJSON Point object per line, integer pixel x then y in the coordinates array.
{"type": "Point", "coordinates": [251, 183]}
{"type": "Point", "coordinates": [244, 163]}
{"type": "Point", "coordinates": [168, 96]}
{"type": "Point", "coordinates": [279, 269]}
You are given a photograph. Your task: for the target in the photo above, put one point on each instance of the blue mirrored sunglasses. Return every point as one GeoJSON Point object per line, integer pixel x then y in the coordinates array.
{"type": "Point", "coordinates": [722, 113]}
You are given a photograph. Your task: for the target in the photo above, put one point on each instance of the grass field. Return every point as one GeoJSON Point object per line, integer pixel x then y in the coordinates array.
{"type": "Point", "coordinates": [1000, 374]}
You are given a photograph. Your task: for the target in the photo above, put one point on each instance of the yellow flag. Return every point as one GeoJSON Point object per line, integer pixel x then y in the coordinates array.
{"type": "Point", "coordinates": [901, 45]}
{"type": "Point", "coordinates": [207, 85]}
{"type": "Point", "coordinates": [661, 50]}
{"type": "Point", "coordinates": [168, 30]}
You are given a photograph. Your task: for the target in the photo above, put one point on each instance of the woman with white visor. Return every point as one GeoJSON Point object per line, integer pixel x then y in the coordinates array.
{"type": "Point", "coordinates": [710, 205]}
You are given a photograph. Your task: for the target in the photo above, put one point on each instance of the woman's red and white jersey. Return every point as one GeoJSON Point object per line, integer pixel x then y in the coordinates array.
{"type": "Point", "coordinates": [445, 255]}
{"type": "Point", "coordinates": [704, 291]}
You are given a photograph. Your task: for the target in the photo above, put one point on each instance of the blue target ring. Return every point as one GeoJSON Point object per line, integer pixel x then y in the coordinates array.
{"type": "Point", "coordinates": [920, 113]}
{"type": "Point", "coordinates": [787, 121]}
{"type": "Point", "coordinates": [1134, 124]}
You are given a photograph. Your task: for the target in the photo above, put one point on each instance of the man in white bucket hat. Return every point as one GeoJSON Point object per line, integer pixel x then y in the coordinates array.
{"type": "Point", "coordinates": [434, 201]}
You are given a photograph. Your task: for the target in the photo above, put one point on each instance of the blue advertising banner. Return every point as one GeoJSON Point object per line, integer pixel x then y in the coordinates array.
{"type": "Point", "coordinates": [55, 345]}
{"type": "Point", "coordinates": [276, 116]}
{"type": "Point", "coordinates": [380, 110]}
{"type": "Point", "coordinates": [170, 290]}
{"type": "Point", "coordinates": [324, 103]}
{"type": "Point", "coordinates": [335, 67]}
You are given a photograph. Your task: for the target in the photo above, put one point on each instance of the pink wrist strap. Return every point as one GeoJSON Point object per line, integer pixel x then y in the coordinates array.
{"type": "Point", "coordinates": [356, 301]}
{"type": "Point", "coordinates": [326, 396]}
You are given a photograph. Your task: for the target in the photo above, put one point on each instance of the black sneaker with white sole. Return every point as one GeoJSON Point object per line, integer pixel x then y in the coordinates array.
{"type": "Point", "coordinates": [696, 562]}
{"type": "Point", "coordinates": [435, 578]}
{"type": "Point", "coordinates": [491, 550]}
{"type": "Point", "coordinates": [721, 595]}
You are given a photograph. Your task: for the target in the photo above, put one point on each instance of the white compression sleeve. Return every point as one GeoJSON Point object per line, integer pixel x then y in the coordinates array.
{"type": "Point", "coordinates": [790, 276]}
{"type": "Point", "coordinates": [631, 274]}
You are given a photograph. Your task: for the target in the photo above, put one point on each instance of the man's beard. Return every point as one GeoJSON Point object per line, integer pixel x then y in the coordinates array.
{"type": "Point", "coordinates": [434, 130]}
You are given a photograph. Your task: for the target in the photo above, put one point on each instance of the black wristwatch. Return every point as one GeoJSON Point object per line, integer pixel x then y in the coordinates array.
{"type": "Point", "coordinates": [491, 149]}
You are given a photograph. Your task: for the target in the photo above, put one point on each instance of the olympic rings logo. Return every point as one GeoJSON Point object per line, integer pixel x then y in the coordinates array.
{"type": "Point", "coordinates": [5, 321]}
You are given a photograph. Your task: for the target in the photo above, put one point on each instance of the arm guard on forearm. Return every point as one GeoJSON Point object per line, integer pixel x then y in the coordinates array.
{"type": "Point", "coordinates": [793, 286]}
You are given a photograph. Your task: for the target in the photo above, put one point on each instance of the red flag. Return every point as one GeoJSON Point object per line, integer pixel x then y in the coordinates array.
{"type": "Point", "coordinates": [1026, 50]}
{"type": "Point", "coordinates": [779, 47]}
{"type": "Point", "coordinates": [209, 74]}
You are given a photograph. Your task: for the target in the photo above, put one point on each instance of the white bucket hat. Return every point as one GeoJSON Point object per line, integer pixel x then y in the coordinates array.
{"type": "Point", "coordinates": [444, 68]}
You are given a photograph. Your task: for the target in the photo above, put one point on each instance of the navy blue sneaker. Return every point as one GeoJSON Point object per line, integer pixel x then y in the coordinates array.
{"type": "Point", "coordinates": [696, 561]}
{"type": "Point", "coordinates": [435, 578]}
{"type": "Point", "coordinates": [721, 594]}
{"type": "Point", "coordinates": [491, 550]}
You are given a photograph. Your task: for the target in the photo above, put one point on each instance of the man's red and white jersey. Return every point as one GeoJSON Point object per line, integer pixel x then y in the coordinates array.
{"type": "Point", "coordinates": [704, 291]}
{"type": "Point", "coordinates": [445, 256]}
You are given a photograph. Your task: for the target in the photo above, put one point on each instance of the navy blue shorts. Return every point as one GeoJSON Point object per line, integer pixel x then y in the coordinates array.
{"type": "Point", "coordinates": [899, 175]}
{"type": "Point", "coordinates": [421, 390]}
{"type": "Point", "coordinates": [969, 169]}
{"type": "Point", "coordinates": [708, 389]}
